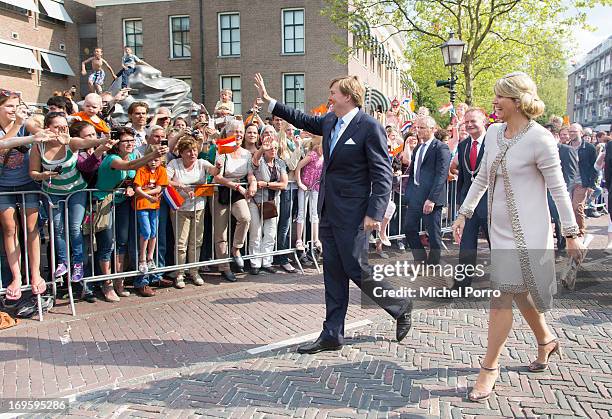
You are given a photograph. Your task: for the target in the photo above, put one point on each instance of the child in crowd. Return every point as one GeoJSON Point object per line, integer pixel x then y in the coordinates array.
{"type": "Point", "coordinates": [224, 106]}
{"type": "Point", "coordinates": [128, 62]}
{"type": "Point", "coordinates": [308, 178]}
{"type": "Point", "coordinates": [91, 107]}
{"type": "Point", "coordinates": [148, 185]}
{"type": "Point", "coordinates": [96, 78]}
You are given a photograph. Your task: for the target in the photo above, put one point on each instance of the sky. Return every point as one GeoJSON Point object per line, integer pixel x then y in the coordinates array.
{"type": "Point", "coordinates": [599, 17]}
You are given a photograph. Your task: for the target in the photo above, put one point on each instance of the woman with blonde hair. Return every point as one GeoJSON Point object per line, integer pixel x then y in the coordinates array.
{"type": "Point", "coordinates": [521, 161]}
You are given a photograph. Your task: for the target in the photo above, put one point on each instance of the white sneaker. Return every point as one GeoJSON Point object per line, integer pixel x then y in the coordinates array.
{"type": "Point", "coordinates": [400, 245]}
{"type": "Point", "coordinates": [179, 282]}
{"type": "Point", "coordinates": [197, 280]}
{"type": "Point", "coordinates": [151, 265]}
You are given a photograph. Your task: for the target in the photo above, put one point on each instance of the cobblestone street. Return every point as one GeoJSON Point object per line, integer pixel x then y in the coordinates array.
{"type": "Point", "coordinates": [202, 352]}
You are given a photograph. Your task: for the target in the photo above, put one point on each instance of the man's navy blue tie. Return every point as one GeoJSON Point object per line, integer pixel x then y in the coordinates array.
{"type": "Point", "coordinates": [334, 138]}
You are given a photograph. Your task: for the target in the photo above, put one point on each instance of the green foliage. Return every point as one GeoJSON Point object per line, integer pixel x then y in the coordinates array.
{"type": "Point", "coordinates": [501, 36]}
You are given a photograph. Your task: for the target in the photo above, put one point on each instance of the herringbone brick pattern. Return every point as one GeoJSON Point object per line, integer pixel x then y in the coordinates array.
{"type": "Point", "coordinates": [427, 375]}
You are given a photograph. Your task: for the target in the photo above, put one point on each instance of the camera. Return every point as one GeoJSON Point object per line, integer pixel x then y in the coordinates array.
{"type": "Point", "coordinates": [114, 134]}
{"type": "Point", "coordinates": [58, 169]}
{"type": "Point", "coordinates": [164, 143]}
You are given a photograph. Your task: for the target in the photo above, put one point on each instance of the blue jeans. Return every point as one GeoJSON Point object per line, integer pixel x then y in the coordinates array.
{"type": "Point", "coordinates": [147, 223]}
{"type": "Point", "coordinates": [76, 212]}
{"type": "Point", "coordinates": [124, 229]}
{"type": "Point", "coordinates": [125, 76]}
{"type": "Point", "coordinates": [283, 238]}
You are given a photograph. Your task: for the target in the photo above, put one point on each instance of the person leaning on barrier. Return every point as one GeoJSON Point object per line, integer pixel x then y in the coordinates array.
{"type": "Point", "coordinates": [120, 164]}
{"type": "Point", "coordinates": [54, 164]}
{"type": "Point", "coordinates": [14, 181]}
{"type": "Point", "coordinates": [233, 172]}
{"type": "Point", "coordinates": [269, 173]}
{"type": "Point", "coordinates": [289, 151]}
{"type": "Point", "coordinates": [184, 174]}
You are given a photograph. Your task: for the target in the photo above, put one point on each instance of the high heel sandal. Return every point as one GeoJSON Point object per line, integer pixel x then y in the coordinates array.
{"type": "Point", "coordinates": [479, 396]}
{"type": "Point", "coordinates": [536, 366]}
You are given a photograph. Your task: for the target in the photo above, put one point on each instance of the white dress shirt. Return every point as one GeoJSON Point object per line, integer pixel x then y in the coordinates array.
{"type": "Point", "coordinates": [346, 118]}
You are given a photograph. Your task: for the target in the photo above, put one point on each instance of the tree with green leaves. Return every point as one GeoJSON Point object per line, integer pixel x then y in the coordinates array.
{"type": "Point", "coordinates": [500, 35]}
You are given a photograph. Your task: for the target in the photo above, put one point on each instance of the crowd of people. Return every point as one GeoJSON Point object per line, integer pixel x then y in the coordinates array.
{"type": "Point", "coordinates": [149, 209]}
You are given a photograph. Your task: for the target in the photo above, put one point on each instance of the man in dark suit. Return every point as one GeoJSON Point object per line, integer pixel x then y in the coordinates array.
{"type": "Point", "coordinates": [569, 167]}
{"type": "Point", "coordinates": [426, 191]}
{"type": "Point", "coordinates": [468, 158]}
{"type": "Point", "coordinates": [353, 195]}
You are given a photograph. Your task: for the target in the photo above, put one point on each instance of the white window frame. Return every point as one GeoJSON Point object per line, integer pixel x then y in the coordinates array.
{"type": "Point", "coordinates": [237, 111]}
{"type": "Point", "coordinates": [172, 57]}
{"type": "Point", "coordinates": [283, 30]}
{"type": "Point", "coordinates": [220, 50]}
{"type": "Point", "coordinates": [123, 22]}
{"type": "Point", "coordinates": [303, 88]}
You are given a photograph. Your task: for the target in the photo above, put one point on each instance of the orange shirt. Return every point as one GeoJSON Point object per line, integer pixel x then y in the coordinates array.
{"type": "Point", "coordinates": [148, 180]}
{"type": "Point", "coordinates": [101, 126]}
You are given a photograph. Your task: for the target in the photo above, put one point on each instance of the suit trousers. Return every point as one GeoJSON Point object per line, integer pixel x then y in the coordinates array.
{"type": "Point", "coordinates": [469, 244]}
{"type": "Point", "coordinates": [342, 263]}
{"type": "Point", "coordinates": [432, 223]}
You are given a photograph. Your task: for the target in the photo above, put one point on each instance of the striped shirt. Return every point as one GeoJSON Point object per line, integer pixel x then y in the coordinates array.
{"type": "Point", "coordinates": [70, 180]}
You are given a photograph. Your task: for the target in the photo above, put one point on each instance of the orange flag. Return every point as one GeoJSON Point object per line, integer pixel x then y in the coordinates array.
{"type": "Point", "coordinates": [227, 145]}
{"type": "Point", "coordinates": [204, 190]}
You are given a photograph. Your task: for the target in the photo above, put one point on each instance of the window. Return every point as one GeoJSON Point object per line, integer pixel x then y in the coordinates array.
{"type": "Point", "coordinates": [229, 34]}
{"type": "Point", "coordinates": [233, 83]}
{"type": "Point", "coordinates": [293, 31]}
{"type": "Point", "coordinates": [293, 90]}
{"type": "Point", "coordinates": [179, 37]}
{"type": "Point", "coordinates": [132, 35]}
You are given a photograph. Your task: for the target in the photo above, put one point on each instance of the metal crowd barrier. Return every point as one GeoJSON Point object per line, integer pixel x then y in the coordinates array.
{"type": "Point", "coordinates": [92, 268]}
{"type": "Point", "coordinates": [24, 262]}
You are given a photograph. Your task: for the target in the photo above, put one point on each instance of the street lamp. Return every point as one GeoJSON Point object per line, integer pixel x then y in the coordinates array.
{"type": "Point", "coordinates": [452, 54]}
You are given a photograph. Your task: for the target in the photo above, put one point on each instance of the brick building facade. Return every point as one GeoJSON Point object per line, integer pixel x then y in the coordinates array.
{"type": "Point", "coordinates": [217, 44]}
{"type": "Point", "coordinates": [42, 43]}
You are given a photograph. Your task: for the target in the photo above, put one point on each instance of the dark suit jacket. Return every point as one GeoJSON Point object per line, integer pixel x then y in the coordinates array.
{"type": "Point", "coordinates": [356, 178]}
{"type": "Point", "coordinates": [433, 177]}
{"type": "Point", "coordinates": [569, 162]}
{"type": "Point", "coordinates": [608, 166]}
{"type": "Point", "coordinates": [586, 159]}
{"type": "Point", "coordinates": [464, 178]}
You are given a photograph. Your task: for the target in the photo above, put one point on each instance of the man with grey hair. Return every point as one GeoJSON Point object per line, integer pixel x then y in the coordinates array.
{"type": "Point", "coordinates": [586, 176]}
{"type": "Point", "coordinates": [426, 192]}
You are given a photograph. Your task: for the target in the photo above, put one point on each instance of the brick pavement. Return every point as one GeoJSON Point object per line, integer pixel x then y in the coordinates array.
{"type": "Point", "coordinates": [183, 354]}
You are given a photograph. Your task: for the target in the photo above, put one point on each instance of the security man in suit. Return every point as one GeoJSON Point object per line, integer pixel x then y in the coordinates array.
{"type": "Point", "coordinates": [467, 161]}
{"type": "Point", "coordinates": [353, 196]}
{"type": "Point", "coordinates": [426, 191]}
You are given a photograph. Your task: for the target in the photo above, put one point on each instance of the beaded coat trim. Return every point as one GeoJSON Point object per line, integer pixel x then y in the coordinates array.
{"type": "Point", "coordinates": [517, 229]}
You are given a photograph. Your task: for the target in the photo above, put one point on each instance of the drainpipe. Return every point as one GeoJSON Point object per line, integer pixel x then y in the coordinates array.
{"type": "Point", "coordinates": [202, 78]}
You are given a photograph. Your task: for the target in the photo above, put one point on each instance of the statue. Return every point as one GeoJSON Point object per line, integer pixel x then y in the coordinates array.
{"type": "Point", "coordinates": [151, 87]}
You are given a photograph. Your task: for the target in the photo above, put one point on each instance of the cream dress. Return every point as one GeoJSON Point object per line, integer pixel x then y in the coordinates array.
{"type": "Point", "coordinates": [518, 172]}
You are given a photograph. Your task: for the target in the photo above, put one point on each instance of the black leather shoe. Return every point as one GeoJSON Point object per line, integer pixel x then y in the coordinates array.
{"type": "Point", "coordinates": [254, 271]}
{"type": "Point", "coordinates": [319, 345]}
{"type": "Point", "coordinates": [238, 261]}
{"type": "Point", "coordinates": [228, 276]}
{"type": "Point", "coordinates": [404, 323]}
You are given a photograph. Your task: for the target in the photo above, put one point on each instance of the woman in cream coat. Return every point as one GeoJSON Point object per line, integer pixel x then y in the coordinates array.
{"type": "Point", "coordinates": [521, 161]}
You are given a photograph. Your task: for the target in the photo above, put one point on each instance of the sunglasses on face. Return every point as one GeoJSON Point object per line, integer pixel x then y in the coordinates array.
{"type": "Point", "coordinates": [9, 93]}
